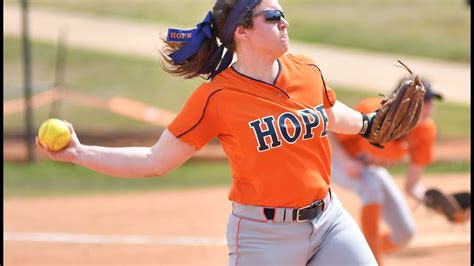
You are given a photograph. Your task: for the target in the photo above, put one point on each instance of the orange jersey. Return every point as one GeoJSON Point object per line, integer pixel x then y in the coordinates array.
{"type": "Point", "coordinates": [417, 144]}
{"type": "Point", "coordinates": [275, 136]}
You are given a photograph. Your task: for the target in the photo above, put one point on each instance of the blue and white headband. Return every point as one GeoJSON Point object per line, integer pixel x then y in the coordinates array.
{"type": "Point", "coordinates": [195, 37]}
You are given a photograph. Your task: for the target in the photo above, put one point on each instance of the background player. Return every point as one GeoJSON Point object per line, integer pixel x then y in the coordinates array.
{"type": "Point", "coordinates": [272, 112]}
{"type": "Point", "coordinates": [361, 167]}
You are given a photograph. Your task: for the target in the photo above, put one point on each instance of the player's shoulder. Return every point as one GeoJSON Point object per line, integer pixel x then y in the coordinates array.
{"type": "Point", "coordinates": [299, 65]}
{"type": "Point", "coordinates": [426, 125]}
{"type": "Point", "coordinates": [424, 130]}
{"type": "Point", "coordinates": [207, 89]}
{"type": "Point", "coordinates": [229, 81]}
{"type": "Point", "coordinates": [204, 93]}
{"type": "Point", "coordinates": [369, 104]}
{"type": "Point", "coordinates": [297, 59]}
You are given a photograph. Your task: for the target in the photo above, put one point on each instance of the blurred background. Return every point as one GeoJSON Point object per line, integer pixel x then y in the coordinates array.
{"type": "Point", "coordinates": [96, 64]}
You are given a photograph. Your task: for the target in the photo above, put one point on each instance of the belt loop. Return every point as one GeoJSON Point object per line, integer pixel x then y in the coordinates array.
{"type": "Point", "coordinates": [269, 213]}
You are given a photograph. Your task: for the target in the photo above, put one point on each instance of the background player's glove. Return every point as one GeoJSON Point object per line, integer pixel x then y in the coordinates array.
{"type": "Point", "coordinates": [455, 207]}
{"type": "Point", "coordinates": [398, 113]}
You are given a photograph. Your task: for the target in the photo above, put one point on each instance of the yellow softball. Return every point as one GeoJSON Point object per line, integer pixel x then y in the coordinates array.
{"type": "Point", "coordinates": [55, 134]}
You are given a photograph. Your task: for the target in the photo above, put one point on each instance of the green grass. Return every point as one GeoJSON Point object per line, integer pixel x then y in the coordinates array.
{"type": "Point", "coordinates": [97, 74]}
{"type": "Point", "coordinates": [101, 74]}
{"type": "Point", "coordinates": [48, 178]}
{"type": "Point", "coordinates": [441, 30]}
{"type": "Point", "coordinates": [435, 28]}
{"type": "Point", "coordinates": [436, 168]}
{"type": "Point", "coordinates": [107, 75]}
{"type": "Point", "coordinates": [452, 120]}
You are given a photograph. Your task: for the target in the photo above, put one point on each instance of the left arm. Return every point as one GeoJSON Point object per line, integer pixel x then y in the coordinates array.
{"type": "Point", "coordinates": [343, 119]}
{"type": "Point", "coordinates": [420, 141]}
{"type": "Point", "coordinates": [413, 187]}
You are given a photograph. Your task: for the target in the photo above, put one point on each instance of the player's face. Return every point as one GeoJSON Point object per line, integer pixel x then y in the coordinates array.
{"type": "Point", "coordinates": [269, 33]}
{"type": "Point", "coordinates": [427, 110]}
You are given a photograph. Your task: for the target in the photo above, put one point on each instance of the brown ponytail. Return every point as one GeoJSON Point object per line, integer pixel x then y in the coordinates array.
{"type": "Point", "coordinates": [193, 66]}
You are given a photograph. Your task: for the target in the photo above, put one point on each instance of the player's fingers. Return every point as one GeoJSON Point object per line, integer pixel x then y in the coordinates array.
{"type": "Point", "coordinates": [44, 148]}
{"type": "Point", "coordinates": [74, 138]}
{"type": "Point", "coordinates": [38, 143]}
{"type": "Point", "coordinates": [69, 125]}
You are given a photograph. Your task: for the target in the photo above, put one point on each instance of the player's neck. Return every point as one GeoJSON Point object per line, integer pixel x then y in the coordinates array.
{"type": "Point", "coordinates": [264, 70]}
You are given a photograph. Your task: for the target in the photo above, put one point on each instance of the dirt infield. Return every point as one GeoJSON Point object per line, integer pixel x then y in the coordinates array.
{"type": "Point", "coordinates": [181, 227]}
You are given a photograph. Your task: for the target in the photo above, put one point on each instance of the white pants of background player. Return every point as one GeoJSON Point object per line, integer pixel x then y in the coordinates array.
{"type": "Point", "coordinates": [376, 186]}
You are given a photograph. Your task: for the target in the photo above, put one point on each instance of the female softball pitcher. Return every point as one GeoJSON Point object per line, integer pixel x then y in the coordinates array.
{"type": "Point", "coordinates": [361, 167]}
{"type": "Point", "coordinates": [272, 112]}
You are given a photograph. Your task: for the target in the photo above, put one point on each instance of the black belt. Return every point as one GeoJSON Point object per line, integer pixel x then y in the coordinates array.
{"type": "Point", "coordinates": [302, 214]}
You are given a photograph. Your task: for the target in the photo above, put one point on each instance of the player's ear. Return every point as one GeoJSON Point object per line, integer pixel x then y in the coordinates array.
{"type": "Point", "coordinates": [240, 33]}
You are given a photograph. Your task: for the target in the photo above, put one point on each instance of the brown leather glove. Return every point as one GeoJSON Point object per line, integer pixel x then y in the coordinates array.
{"type": "Point", "coordinates": [455, 207]}
{"type": "Point", "coordinates": [398, 113]}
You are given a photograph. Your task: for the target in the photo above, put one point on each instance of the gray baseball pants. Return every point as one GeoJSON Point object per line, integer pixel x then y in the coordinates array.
{"type": "Point", "coordinates": [331, 238]}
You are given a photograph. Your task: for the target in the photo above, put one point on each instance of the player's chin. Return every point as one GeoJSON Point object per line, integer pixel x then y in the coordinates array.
{"type": "Point", "coordinates": [285, 45]}
{"type": "Point", "coordinates": [278, 50]}
{"type": "Point", "coordinates": [284, 49]}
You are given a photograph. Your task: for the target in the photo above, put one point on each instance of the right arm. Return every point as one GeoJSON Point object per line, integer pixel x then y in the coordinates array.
{"type": "Point", "coordinates": [167, 154]}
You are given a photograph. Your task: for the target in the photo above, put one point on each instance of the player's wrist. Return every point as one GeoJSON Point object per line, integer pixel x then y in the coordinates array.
{"type": "Point", "coordinates": [417, 191]}
{"type": "Point", "coordinates": [78, 154]}
{"type": "Point", "coordinates": [367, 121]}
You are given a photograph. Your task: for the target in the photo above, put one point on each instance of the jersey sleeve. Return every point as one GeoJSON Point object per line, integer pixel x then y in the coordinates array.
{"type": "Point", "coordinates": [197, 123]}
{"type": "Point", "coordinates": [421, 142]}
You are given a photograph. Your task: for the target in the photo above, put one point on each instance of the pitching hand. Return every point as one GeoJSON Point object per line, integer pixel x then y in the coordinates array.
{"type": "Point", "coordinates": [68, 154]}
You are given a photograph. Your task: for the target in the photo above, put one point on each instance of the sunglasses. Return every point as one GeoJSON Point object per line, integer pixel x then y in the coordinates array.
{"type": "Point", "coordinates": [271, 15]}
